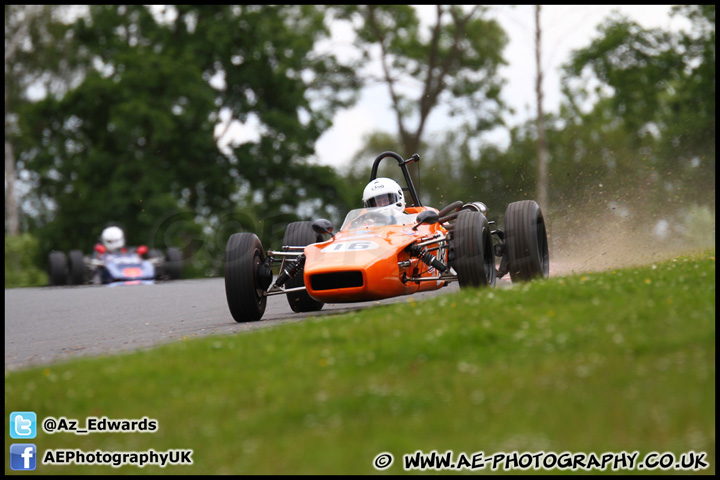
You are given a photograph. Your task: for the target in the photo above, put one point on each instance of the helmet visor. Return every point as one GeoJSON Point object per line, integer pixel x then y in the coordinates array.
{"type": "Point", "coordinates": [113, 243]}
{"type": "Point", "coordinates": [383, 200]}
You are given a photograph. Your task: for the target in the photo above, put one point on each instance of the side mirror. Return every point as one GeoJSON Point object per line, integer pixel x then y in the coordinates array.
{"type": "Point", "coordinates": [323, 226]}
{"type": "Point", "coordinates": [427, 216]}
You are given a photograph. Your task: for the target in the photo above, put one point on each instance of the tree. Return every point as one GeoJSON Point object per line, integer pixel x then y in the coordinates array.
{"type": "Point", "coordinates": [689, 119]}
{"type": "Point", "coordinates": [454, 64]}
{"type": "Point", "coordinates": [136, 141]}
{"type": "Point", "coordinates": [654, 106]}
{"type": "Point", "coordinates": [542, 147]}
{"type": "Point", "coordinates": [633, 65]}
{"type": "Point", "coordinates": [37, 53]}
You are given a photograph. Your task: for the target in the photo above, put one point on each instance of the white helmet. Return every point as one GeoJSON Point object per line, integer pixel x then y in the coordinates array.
{"type": "Point", "coordinates": [382, 192]}
{"type": "Point", "coordinates": [113, 238]}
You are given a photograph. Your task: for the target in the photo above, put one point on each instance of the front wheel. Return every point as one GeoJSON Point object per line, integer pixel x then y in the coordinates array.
{"type": "Point", "coordinates": [57, 268]}
{"type": "Point", "coordinates": [474, 257]}
{"type": "Point", "coordinates": [243, 256]}
{"type": "Point", "coordinates": [77, 268]}
{"type": "Point", "coordinates": [526, 241]}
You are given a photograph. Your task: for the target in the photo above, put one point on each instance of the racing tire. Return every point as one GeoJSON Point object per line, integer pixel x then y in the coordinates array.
{"type": "Point", "coordinates": [57, 268]}
{"type": "Point", "coordinates": [154, 253]}
{"type": "Point", "coordinates": [474, 256]}
{"type": "Point", "coordinates": [300, 234]}
{"type": "Point", "coordinates": [173, 263]}
{"type": "Point", "coordinates": [243, 254]}
{"type": "Point", "coordinates": [526, 241]}
{"type": "Point", "coordinates": [77, 268]}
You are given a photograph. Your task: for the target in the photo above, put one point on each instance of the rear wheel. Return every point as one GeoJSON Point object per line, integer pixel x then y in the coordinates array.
{"type": "Point", "coordinates": [173, 263]}
{"type": "Point", "coordinates": [300, 234]}
{"type": "Point", "coordinates": [77, 268]}
{"type": "Point", "coordinates": [243, 255]}
{"type": "Point", "coordinates": [155, 254]}
{"type": "Point", "coordinates": [57, 268]}
{"type": "Point", "coordinates": [526, 241]}
{"type": "Point", "coordinates": [474, 257]}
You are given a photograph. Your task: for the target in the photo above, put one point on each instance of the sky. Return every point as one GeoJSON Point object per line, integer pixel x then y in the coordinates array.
{"type": "Point", "coordinates": [564, 28]}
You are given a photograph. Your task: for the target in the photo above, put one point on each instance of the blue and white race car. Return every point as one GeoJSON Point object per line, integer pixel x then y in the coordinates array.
{"type": "Point", "coordinates": [127, 266]}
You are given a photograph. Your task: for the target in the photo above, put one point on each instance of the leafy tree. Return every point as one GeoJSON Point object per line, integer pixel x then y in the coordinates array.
{"type": "Point", "coordinates": [38, 53]}
{"type": "Point", "coordinates": [636, 129]}
{"type": "Point", "coordinates": [454, 64]}
{"type": "Point", "coordinates": [21, 252]}
{"type": "Point", "coordinates": [635, 64]}
{"type": "Point", "coordinates": [136, 141]}
{"type": "Point", "coordinates": [453, 171]}
{"type": "Point", "coordinates": [688, 142]}
{"type": "Point", "coordinates": [128, 145]}
{"type": "Point", "coordinates": [652, 124]}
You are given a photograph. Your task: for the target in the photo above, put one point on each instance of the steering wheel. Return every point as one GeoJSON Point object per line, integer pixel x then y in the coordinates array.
{"type": "Point", "coordinates": [373, 217]}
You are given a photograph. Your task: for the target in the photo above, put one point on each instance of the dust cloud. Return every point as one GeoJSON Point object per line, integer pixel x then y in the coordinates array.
{"type": "Point", "coordinates": [592, 239]}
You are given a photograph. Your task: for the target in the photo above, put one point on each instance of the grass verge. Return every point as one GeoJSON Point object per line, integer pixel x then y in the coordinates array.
{"type": "Point", "coordinates": [622, 360]}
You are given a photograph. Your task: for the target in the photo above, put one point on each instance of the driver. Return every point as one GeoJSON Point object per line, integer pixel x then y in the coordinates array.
{"type": "Point", "coordinates": [383, 192]}
{"type": "Point", "coordinates": [112, 240]}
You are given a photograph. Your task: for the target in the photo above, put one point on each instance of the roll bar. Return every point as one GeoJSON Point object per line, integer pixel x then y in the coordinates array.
{"type": "Point", "coordinates": [403, 166]}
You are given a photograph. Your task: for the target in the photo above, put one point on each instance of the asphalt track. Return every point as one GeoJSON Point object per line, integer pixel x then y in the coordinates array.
{"type": "Point", "coordinates": [51, 324]}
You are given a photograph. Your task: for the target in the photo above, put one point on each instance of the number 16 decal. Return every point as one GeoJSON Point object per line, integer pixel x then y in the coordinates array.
{"type": "Point", "coordinates": [350, 247]}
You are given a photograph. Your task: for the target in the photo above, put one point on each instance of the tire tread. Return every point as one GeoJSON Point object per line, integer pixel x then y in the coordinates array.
{"type": "Point", "coordinates": [471, 230]}
{"type": "Point", "coordinates": [240, 288]}
{"type": "Point", "coordinates": [524, 251]}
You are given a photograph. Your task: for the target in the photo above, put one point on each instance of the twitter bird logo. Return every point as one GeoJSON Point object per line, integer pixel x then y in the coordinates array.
{"type": "Point", "coordinates": [23, 425]}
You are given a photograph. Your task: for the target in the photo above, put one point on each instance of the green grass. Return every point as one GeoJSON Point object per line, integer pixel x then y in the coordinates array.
{"type": "Point", "coordinates": [622, 360]}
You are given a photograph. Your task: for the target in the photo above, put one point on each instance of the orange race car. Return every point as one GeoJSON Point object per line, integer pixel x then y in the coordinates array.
{"type": "Point", "coordinates": [385, 249]}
